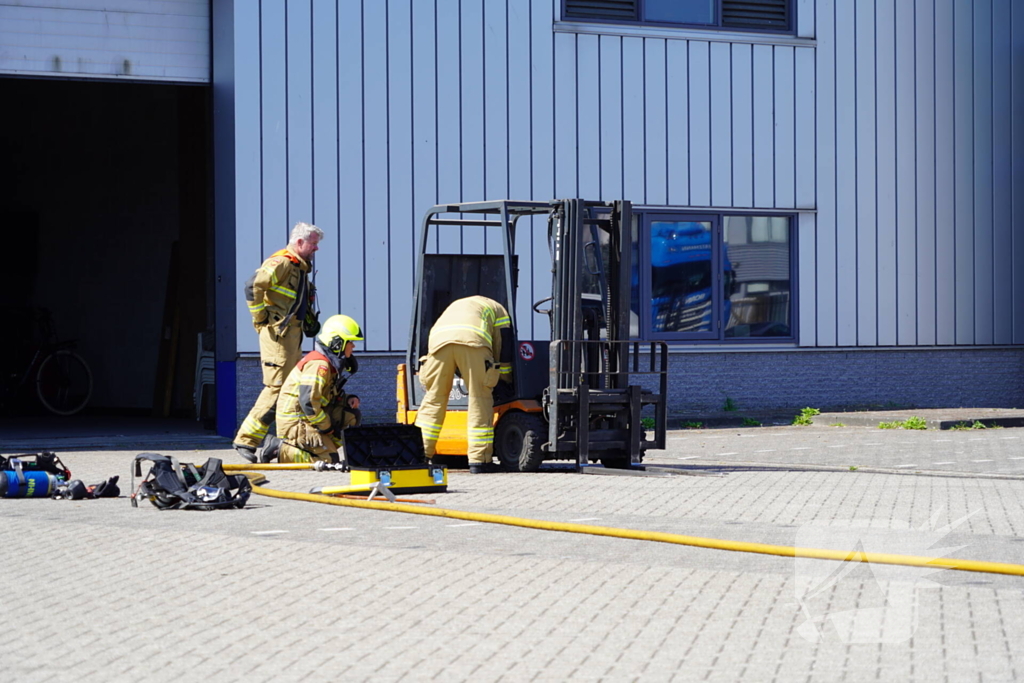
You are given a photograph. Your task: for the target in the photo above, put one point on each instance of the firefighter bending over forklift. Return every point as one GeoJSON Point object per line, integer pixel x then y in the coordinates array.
{"type": "Point", "coordinates": [579, 396]}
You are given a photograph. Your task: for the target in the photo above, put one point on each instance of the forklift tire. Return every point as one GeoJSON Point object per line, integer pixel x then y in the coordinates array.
{"type": "Point", "coordinates": [517, 441]}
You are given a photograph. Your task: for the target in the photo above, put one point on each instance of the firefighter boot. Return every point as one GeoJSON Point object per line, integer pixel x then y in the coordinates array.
{"type": "Point", "coordinates": [270, 449]}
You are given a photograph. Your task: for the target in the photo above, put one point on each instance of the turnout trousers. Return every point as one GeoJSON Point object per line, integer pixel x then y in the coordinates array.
{"type": "Point", "coordinates": [301, 442]}
{"type": "Point", "coordinates": [278, 355]}
{"type": "Point", "coordinates": [480, 372]}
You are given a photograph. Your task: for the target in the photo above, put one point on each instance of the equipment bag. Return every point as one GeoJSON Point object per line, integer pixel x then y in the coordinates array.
{"type": "Point", "coordinates": [171, 485]}
{"type": "Point", "coordinates": [31, 475]}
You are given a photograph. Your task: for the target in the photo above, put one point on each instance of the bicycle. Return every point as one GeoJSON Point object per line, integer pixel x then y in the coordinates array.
{"type": "Point", "coordinates": [59, 377]}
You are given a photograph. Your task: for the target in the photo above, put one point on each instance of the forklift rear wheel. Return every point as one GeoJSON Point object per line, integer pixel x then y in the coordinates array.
{"type": "Point", "coordinates": [517, 441]}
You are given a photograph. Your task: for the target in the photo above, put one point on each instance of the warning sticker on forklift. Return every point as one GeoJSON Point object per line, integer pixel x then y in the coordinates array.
{"type": "Point", "coordinates": [526, 351]}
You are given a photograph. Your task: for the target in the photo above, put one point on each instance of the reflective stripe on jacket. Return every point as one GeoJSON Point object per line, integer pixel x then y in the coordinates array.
{"type": "Point", "coordinates": [277, 291]}
{"type": "Point", "coordinates": [473, 321]}
{"type": "Point", "coordinates": [308, 390]}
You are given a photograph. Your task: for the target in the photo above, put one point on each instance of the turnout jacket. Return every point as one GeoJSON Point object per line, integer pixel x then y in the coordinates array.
{"type": "Point", "coordinates": [474, 321]}
{"type": "Point", "coordinates": [308, 392]}
{"type": "Point", "coordinates": [278, 291]}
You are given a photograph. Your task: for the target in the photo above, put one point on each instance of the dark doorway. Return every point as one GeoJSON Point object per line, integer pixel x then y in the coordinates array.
{"type": "Point", "coordinates": [106, 212]}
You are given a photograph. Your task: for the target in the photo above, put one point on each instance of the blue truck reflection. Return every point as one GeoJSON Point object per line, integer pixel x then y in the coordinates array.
{"type": "Point", "coordinates": [682, 277]}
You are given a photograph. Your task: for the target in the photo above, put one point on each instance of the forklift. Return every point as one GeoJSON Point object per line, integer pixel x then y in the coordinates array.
{"type": "Point", "coordinates": [581, 396]}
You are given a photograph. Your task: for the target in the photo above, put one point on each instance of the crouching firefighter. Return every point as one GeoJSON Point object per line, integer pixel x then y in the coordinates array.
{"type": "Point", "coordinates": [311, 410]}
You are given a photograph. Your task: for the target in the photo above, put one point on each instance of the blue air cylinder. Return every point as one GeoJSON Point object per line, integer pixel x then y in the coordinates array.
{"type": "Point", "coordinates": [27, 484]}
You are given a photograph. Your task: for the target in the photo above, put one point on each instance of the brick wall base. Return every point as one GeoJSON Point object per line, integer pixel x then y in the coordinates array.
{"type": "Point", "coordinates": [769, 380]}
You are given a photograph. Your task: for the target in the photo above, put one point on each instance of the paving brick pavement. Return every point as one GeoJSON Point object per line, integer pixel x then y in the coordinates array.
{"type": "Point", "coordinates": [285, 590]}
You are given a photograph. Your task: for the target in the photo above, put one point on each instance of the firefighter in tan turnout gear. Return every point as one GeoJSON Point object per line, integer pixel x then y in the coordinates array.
{"type": "Point", "coordinates": [313, 409]}
{"type": "Point", "coordinates": [474, 337]}
{"type": "Point", "coordinates": [280, 298]}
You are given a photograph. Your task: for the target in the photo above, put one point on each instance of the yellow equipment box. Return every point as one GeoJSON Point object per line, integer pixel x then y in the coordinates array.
{"type": "Point", "coordinates": [429, 479]}
{"type": "Point", "coordinates": [392, 454]}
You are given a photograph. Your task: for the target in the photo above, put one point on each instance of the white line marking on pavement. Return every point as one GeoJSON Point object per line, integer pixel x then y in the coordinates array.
{"type": "Point", "coordinates": [748, 436]}
{"type": "Point", "coordinates": [947, 462]}
{"type": "Point", "coordinates": [687, 457]}
{"type": "Point", "coordinates": [981, 461]}
{"type": "Point", "coordinates": [842, 445]}
{"type": "Point", "coordinates": [900, 467]}
{"type": "Point", "coordinates": [1009, 437]}
{"type": "Point", "coordinates": [767, 450]}
{"type": "Point", "coordinates": [1020, 458]}
{"type": "Point", "coordinates": [942, 440]}
{"type": "Point", "coordinates": [585, 519]}
{"type": "Point", "coordinates": [728, 453]}
{"type": "Point", "coordinates": [338, 528]}
{"type": "Point", "coordinates": [401, 527]}
{"type": "Point", "coordinates": [801, 448]}
{"type": "Point", "coordinates": [871, 444]}
{"type": "Point", "coordinates": [267, 533]}
{"type": "Point", "coordinates": [452, 526]}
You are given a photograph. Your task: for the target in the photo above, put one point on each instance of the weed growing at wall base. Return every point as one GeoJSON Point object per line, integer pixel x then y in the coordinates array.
{"type": "Point", "coordinates": [909, 423]}
{"type": "Point", "coordinates": [806, 416]}
{"type": "Point", "coordinates": [977, 425]}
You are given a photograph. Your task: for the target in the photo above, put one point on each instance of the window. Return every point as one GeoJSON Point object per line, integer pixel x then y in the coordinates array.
{"type": "Point", "coordinates": [713, 277]}
{"type": "Point", "coordinates": [757, 15]}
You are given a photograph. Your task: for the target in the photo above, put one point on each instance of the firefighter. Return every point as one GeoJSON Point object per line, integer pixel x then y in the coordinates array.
{"type": "Point", "coordinates": [474, 338]}
{"type": "Point", "coordinates": [280, 297]}
{"type": "Point", "coordinates": [313, 409]}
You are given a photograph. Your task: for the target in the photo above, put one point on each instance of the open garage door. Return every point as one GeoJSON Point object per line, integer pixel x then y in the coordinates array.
{"type": "Point", "coordinates": [106, 211]}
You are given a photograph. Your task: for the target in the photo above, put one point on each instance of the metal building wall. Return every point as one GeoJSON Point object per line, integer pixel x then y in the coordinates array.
{"type": "Point", "coordinates": [895, 131]}
{"type": "Point", "coordinates": [364, 114]}
{"type": "Point", "coordinates": [919, 238]}
{"type": "Point", "coordinates": [152, 40]}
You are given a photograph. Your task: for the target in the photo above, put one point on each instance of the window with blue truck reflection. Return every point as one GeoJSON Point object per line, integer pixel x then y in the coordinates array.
{"type": "Point", "coordinates": [753, 267]}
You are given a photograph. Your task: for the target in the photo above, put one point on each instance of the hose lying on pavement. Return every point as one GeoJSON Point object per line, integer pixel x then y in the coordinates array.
{"type": "Point", "coordinates": [657, 536]}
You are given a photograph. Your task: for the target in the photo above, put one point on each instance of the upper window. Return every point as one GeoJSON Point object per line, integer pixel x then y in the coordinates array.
{"type": "Point", "coordinates": [713, 277]}
{"type": "Point", "coordinates": [758, 15]}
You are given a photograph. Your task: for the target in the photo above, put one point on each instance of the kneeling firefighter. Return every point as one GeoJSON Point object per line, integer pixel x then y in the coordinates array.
{"type": "Point", "coordinates": [313, 410]}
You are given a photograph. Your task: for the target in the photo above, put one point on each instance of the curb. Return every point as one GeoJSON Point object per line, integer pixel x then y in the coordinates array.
{"type": "Point", "coordinates": [873, 419]}
{"type": "Point", "coordinates": [724, 467]}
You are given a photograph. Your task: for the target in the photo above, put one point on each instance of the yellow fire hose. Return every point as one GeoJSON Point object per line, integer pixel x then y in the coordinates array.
{"type": "Point", "coordinates": [657, 536]}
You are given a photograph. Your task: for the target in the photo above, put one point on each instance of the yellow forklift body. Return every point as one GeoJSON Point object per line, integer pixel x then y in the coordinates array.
{"type": "Point", "coordinates": [453, 433]}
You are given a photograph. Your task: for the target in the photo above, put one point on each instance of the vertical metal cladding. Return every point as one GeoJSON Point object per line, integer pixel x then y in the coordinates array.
{"type": "Point", "coordinates": [895, 128]}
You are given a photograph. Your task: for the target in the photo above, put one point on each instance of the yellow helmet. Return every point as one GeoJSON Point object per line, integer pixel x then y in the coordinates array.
{"type": "Point", "coordinates": [337, 331]}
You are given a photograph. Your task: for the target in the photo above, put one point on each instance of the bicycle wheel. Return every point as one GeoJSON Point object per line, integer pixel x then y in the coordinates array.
{"type": "Point", "coordinates": [64, 382]}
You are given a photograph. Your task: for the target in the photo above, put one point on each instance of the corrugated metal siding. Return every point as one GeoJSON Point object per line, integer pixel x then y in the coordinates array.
{"type": "Point", "coordinates": [919, 226]}
{"type": "Point", "coordinates": [153, 40]}
{"type": "Point", "coordinates": [361, 115]}
{"type": "Point", "coordinates": [401, 104]}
